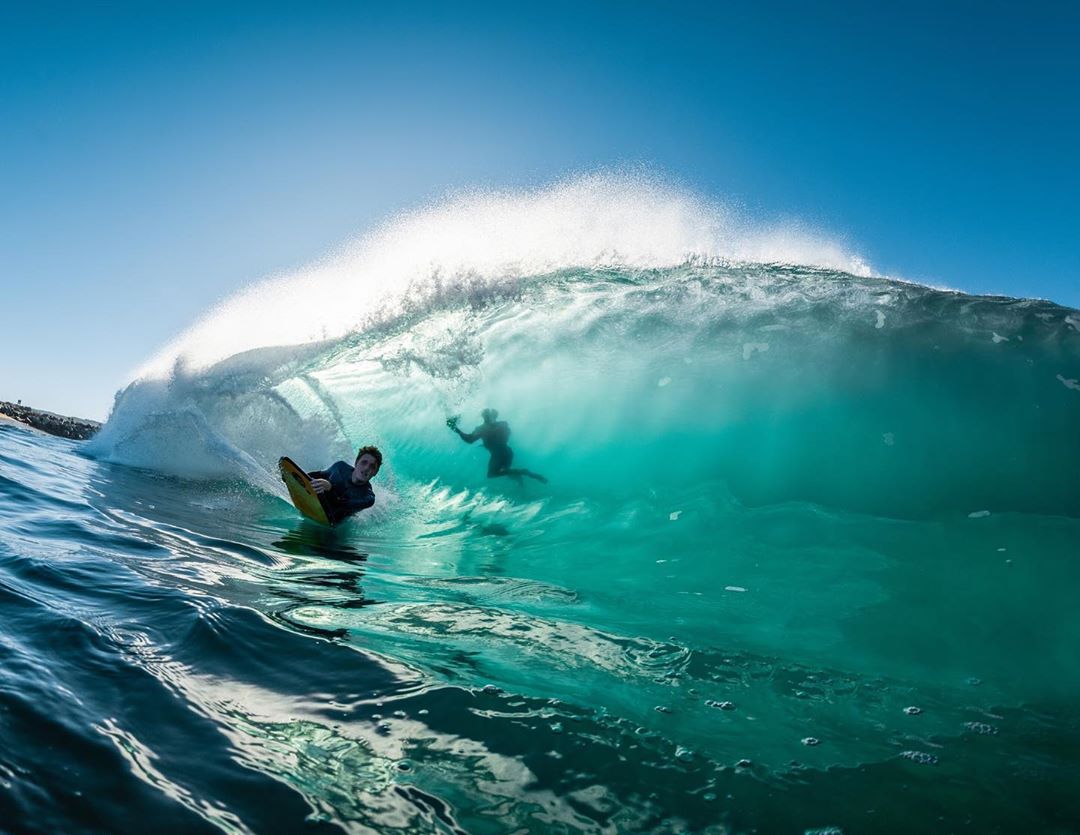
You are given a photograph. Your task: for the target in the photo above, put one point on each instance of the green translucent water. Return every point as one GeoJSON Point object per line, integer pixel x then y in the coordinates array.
{"type": "Point", "coordinates": [785, 507]}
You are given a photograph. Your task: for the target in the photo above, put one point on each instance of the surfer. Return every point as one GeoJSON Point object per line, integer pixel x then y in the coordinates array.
{"type": "Point", "coordinates": [495, 434]}
{"type": "Point", "coordinates": [342, 489]}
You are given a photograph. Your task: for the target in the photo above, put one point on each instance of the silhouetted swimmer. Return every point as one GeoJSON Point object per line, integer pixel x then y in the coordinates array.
{"type": "Point", "coordinates": [495, 434]}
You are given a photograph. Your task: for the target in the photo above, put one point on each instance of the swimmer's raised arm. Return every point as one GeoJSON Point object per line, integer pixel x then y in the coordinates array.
{"type": "Point", "coordinates": [470, 437]}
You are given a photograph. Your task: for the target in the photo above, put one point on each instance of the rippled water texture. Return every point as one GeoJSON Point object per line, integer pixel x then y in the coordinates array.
{"type": "Point", "coordinates": [807, 559]}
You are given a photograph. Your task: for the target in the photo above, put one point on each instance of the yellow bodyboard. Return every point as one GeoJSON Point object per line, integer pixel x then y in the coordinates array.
{"type": "Point", "coordinates": [300, 491]}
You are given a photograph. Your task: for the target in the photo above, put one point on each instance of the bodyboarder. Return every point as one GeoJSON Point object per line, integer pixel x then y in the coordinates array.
{"type": "Point", "coordinates": [342, 489]}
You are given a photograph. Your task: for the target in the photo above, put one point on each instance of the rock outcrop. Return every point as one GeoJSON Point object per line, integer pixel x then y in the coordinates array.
{"type": "Point", "coordinates": [77, 429]}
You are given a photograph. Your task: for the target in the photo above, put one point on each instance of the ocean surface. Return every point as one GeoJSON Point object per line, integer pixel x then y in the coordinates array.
{"type": "Point", "coordinates": [808, 559]}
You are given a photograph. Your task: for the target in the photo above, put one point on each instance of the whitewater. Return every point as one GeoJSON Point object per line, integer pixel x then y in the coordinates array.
{"type": "Point", "coordinates": [807, 557]}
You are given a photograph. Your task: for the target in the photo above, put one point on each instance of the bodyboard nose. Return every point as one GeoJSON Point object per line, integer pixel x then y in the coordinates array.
{"type": "Point", "coordinates": [301, 492]}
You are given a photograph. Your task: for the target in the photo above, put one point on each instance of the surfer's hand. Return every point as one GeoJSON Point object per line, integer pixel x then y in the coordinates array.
{"type": "Point", "coordinates": [452, 421]}
{"type": "Point", "coordinates": [320, 485]}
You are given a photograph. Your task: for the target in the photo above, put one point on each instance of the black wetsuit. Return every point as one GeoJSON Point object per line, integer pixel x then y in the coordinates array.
{"type": "Point", "coordinates": [344, 497]}
{"type": "Point", "coordinates": [495, 436]}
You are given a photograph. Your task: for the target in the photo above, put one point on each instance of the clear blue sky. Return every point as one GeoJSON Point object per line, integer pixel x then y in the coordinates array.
{"type": "Point", "coordinates": [155, 157]}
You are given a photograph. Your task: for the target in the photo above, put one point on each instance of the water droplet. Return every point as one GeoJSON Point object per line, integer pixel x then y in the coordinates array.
{"type": "Point", "coordinates": [911, 710]}
{"type": "Point", "coordinates": [811, 741]}
{"type": "Point", "coordinates": [684, 754]}
{"type": "Point", "coordinates": [920, 757]}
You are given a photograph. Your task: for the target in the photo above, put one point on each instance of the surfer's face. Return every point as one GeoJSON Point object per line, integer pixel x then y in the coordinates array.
{"type": "Point", "coordinates": [365, 469]}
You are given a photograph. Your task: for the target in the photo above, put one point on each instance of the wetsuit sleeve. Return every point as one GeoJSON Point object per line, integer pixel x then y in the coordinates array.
{"type": "Point", "coordinates": [471, 437]}
{"type": "Point", "coordinates": [342, 504]}
{"type": "Point", "coordinates": [339, 505]}
{"type": "Point", "coordinates": [362, 502]}
{"type": "Point", "coordinates": [319, 474]}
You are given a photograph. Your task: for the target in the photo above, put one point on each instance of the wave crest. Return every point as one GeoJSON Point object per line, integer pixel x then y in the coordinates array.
{"type": "Point", "coordinates": [482, 241]}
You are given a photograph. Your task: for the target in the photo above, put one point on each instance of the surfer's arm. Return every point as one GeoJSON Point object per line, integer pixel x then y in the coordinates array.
{"type": "Point", "coordinates": [320, 481]}
{"type": "Point", "coordinates": [471, 437]}
{"type": "Point", "coordinates": [352, 500]}
{"type": "Point", "coordinates": [361, 502]}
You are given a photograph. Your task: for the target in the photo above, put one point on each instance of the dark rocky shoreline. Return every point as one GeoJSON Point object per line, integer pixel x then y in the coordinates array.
{"type": "Point", "coordinates": [78, 429]}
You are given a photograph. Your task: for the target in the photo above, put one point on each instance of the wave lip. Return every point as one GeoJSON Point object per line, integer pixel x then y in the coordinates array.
{"type": "Point", "coordinates": [615, 315]}
{"type": "Point", "coordinates": [479, 241]}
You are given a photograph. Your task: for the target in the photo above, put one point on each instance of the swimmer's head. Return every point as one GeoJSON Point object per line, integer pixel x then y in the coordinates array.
{"type": "Point", "coordinates": [368, 463]}
{"type": "Point", "coordinates": [489, 415]}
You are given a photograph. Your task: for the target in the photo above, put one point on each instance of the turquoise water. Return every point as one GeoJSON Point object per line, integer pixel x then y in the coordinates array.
{"type": "Point", "coordinates": [807, 559]}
